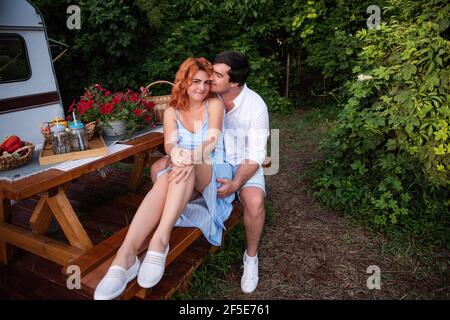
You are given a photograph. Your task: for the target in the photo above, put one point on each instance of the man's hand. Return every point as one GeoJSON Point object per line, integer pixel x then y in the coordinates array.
{"type": "Point", "coordinates": [180, 173]}
{"type": "Point", "coordinates": [228, 187]}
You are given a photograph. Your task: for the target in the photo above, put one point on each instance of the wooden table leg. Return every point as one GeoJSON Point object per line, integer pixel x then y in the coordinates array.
{"type": "Point", "coordinates": [42, 215]}
{"type": "Point", "coordinates": [140, 160]}
{"type": "Point", "coordinates": [60, 205]}
{"type": "Point", "coordinates": [6, 253]}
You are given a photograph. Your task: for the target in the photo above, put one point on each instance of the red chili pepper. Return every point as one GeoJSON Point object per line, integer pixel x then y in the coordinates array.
{"type": "Point", "coordinates": [12, 144]}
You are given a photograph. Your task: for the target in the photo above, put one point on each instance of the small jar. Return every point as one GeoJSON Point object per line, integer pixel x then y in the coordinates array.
{"type": "Point", "coordinates": [59, 139]}
{"type": "Point", "coordinates": [79, 137]}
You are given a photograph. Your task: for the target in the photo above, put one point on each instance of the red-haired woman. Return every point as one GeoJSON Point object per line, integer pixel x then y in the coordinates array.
{"type": "Point", "coordinates": [193, 139]}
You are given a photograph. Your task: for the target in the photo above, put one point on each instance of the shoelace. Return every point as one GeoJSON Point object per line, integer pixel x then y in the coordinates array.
{"type": "Point", "coordinates": [250, 270]}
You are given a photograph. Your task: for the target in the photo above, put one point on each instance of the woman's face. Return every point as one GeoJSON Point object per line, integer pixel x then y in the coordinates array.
{"type": "Point", "coordinates": [199, 88]}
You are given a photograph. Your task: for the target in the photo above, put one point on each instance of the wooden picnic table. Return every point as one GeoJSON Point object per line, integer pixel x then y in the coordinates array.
{"type": "Point", "coordinates": [51, 187]}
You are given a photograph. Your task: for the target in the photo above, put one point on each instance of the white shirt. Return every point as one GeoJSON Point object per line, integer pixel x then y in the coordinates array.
{"type": "Point", "coordinates": [246, 128]}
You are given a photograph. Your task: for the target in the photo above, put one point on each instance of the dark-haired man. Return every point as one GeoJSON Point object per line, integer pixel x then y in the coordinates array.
{"type": "Point", "coordinates": [246, 129]}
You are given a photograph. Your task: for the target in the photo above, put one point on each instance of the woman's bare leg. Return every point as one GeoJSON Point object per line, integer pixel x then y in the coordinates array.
{"type": "Point", "coordinates": [145, 221]}
{"type": "Point", "coordinates": [157, 166]}
{"type": "Point", "coordinates": [178, 195]}
{"type": "Point", "coordinates": [203, 173]}
{"type": "Point", "coordinates": [162, 164]}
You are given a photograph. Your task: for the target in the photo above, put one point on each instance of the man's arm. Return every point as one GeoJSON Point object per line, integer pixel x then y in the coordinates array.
{"type": "Point", "coordinates": [254, 157]}
{"type": "Point", "coordinates": [245, 171]}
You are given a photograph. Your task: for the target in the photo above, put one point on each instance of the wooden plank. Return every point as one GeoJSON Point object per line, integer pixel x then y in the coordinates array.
{"type": "Point", "coordinates": [6, 253]}
{"type": "Point", "coordinates": [46, 180]}
{"type": "Point", "coordinates": [38, 244]}
{"type": "Point", "coordinates": [179, 273]}
{"type": "Point", "coordinates": [267, 162]}
{"type": "Point", "coordinates": [97, 147]}
{"type": "Point", "coordinates": [42, 216]}
{"type": "Point", "coordinates": [138, 168]}
{"type": "Point", "coordinates": [68, 220]}
{"type": "Point", "coordinates": [179, 240]}
{"type": "Point", "coordinates": [21, 283]}
{"type": "Point", "coordinates": [95, 256]}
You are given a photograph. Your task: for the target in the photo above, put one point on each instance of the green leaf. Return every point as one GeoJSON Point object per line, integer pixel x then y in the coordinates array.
{"type": "Point", "coordinates": [408, 70]}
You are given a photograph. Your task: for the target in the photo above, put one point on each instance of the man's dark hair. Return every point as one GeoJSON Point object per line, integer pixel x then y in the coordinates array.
{"type": "Point", "coordinates": [238, 63]}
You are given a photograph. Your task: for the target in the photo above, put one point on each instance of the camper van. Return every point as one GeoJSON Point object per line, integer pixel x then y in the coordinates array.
{"type": "Point", "coordinates": [29, 93]}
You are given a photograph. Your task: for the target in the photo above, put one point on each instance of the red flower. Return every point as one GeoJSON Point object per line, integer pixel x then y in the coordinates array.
{"type": "Point", "coordinates": [115, 100]}
{"type": "Point", "coordinates": [71, 106]}
{"type": "Point", "coordinates": [107, 108]}
{"type": "Point", "coordinates": [134, 97]}
{"type": "Point", "coordinates": [138, 112]}
{"type": "Point", "coordinates": [149, 104]}
{"type": "Point", "coordinates": [147, 118]}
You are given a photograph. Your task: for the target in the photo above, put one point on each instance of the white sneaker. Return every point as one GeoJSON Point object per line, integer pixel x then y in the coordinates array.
{"type": "Point", "coordinates": [115, 281]}
{"type": "Point", "coordinates": [249, 279]}
{"type": "Point", "coordinates": [152, 268]}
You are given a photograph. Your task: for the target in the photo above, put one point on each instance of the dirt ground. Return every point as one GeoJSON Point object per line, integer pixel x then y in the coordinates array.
{"type": "Point", "coordinates": [308, 252]}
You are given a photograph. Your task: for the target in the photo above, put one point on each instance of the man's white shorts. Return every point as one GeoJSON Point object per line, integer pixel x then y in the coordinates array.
{"type": "Point", "coordinates": [257, 180]}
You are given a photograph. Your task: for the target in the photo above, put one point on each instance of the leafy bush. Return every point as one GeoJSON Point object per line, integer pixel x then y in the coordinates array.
{"type": "Point", "coordinates": [327, 31]}
{"type": "Point", "coordinates": [388, 159]}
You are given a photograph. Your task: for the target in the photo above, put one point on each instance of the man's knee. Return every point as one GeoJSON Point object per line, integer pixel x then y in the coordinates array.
{"type": "Point", "coordinates": [253, 201]}
{"type": "Point", "coordinates": [156, 167]}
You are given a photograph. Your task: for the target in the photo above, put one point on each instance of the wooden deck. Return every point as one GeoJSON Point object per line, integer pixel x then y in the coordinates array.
{"type": "Point", "coordinates": [104, 207]}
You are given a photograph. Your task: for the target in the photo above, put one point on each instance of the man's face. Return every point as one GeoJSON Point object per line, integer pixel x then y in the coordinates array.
{"type": "Point", "coordinates": [220, 78]}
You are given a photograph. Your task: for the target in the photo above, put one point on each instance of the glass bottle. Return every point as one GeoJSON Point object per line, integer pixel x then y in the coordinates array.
{"type": "Point", "coordinates": [79, 138]}
{"type": "Point", "coordinates": [59, 137]}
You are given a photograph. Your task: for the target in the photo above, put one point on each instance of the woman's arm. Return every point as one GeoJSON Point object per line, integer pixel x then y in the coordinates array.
{"type": "Point", "coordinates": [215, 118]}
{"type": "Point", "coordinates": [170, 129]}
{"type": "Point", "coordinates": [178, 155]}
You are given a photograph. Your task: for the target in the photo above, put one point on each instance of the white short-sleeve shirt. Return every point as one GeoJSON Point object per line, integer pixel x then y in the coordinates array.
{"type": "Point", "coordinates": [246, 128]}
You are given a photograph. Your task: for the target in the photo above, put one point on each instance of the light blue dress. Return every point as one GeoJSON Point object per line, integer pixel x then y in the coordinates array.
{"type": "Point", "coordinates": [207, 212]}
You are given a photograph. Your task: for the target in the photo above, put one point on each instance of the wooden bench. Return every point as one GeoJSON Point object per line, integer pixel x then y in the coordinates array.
{"type": "Point", "coordinates": [188, 247]}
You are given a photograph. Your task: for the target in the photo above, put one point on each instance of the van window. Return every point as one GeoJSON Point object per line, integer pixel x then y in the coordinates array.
{"type": "Point", "coordinates": [14, 64]}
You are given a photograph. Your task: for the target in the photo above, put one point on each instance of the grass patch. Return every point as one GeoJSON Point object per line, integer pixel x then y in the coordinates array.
{"type": "Point", "coordinates": [210, 280]}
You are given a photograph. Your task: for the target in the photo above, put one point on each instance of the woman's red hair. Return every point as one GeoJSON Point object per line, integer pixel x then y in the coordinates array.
{"type": "Point", "coordinates": [183, 80]}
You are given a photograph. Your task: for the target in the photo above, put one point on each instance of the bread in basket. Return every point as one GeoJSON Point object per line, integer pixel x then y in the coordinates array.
{"type": "Point", "coordinates": [18, 158]}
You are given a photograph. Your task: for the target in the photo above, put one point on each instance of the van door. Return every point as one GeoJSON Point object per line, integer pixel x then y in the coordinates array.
{"type": "Point", "coordinates": [29, 93]}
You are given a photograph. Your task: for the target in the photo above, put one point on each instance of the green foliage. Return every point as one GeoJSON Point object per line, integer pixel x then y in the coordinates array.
{"type": "Point", "coordinates": [127, 44]}
{"type": "Point", "coordinates": [327, 31]}
{"type": "Point", "coordinates": [388, 158]}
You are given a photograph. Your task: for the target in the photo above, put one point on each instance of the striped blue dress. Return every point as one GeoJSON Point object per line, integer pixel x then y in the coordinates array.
{"type": "Point", "coordinates": [207, 212]}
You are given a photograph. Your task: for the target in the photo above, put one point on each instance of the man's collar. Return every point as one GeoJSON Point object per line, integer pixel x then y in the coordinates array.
{"type": "Point", "coordinates": [237, 101]}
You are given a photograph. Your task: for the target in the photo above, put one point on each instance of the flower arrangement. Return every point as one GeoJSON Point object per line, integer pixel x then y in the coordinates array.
{"type": "Point", "coordinates": [100, 105]}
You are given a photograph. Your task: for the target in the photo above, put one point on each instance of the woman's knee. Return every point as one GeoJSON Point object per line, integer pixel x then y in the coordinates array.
{"type": "Point", "coordinates": [156, 167]}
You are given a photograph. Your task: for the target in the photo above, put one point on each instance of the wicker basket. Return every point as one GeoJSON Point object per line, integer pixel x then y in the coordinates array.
{"type": "Point", "coordinates": [14, 160]}
{"type": "Point", "coordinates": [161, 102]}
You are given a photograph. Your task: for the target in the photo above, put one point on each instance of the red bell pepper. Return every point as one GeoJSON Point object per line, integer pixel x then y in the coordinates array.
{"type": "Point", "coordinates": [12, 144]}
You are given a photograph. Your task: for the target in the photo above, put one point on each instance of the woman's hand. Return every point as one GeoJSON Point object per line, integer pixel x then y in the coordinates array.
{"type": "Point", "coordinates": [181, 157]}
{"type": "Point", "coordinates": [180, 173]}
